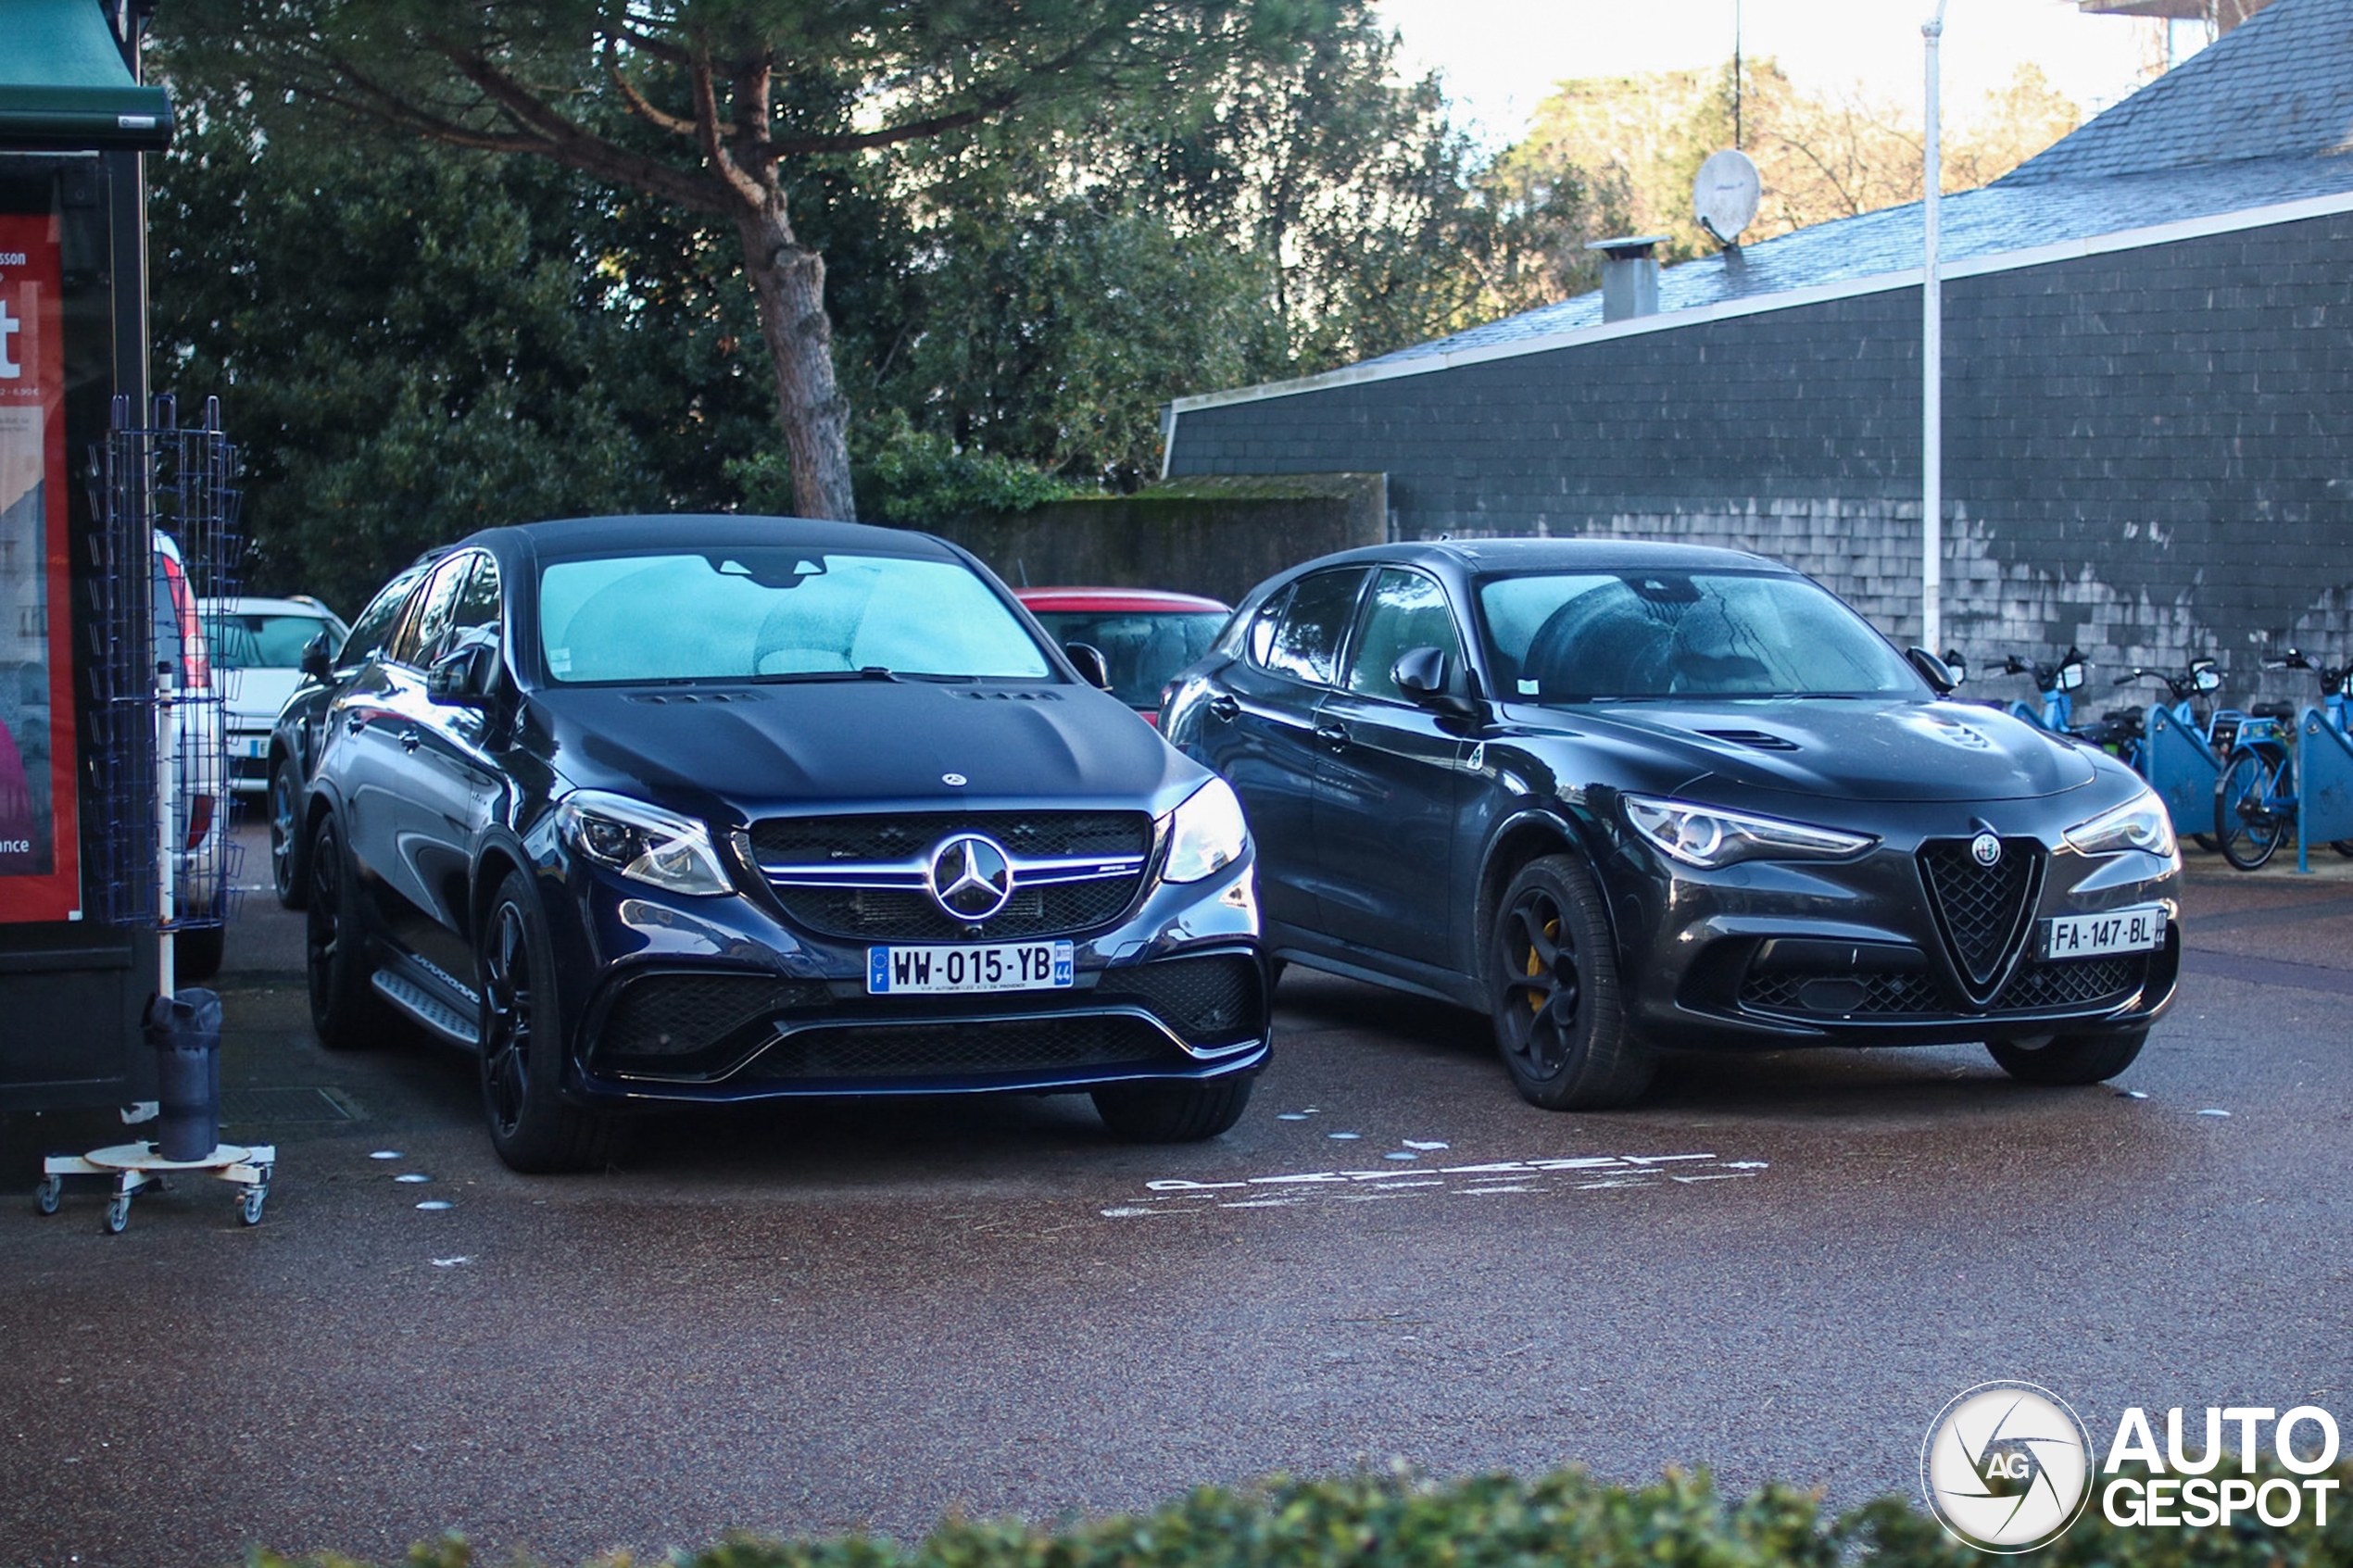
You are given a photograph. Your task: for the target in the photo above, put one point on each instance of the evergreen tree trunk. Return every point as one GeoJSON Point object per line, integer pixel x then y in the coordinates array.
{"type": "Point", "coordinates": [789, 280]}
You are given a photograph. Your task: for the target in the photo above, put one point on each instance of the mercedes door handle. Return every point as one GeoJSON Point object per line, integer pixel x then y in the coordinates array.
{"type": "Point", "coordinates": [409, 739]}
{"type": "Point", "coordinates": [1332, 735]}
{"type": "Point", "coordinates": [1225, 707]}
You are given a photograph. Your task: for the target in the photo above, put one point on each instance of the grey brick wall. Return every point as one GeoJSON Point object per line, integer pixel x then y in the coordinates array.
{"type": "Point", "coordinates": [2147, 453]}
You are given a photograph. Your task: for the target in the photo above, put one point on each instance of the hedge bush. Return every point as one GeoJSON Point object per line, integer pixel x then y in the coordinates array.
{"type": "Point", "coordinates": [1400, 1520]}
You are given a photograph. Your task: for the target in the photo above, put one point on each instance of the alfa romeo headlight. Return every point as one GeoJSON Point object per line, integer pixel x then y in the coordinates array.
{"type": "Point", "coordinates": [2141, 822]}
{"type": "Point", "coordinates": [643, 843]}
{"type": "Point", "coordinates": [1709, 836]}
{"type": "Point", "coordinates": [1205, 835]}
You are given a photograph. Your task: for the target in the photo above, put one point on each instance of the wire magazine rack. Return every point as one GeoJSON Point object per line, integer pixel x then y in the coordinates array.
{"type": "Point", "coordinates": [165, 500]}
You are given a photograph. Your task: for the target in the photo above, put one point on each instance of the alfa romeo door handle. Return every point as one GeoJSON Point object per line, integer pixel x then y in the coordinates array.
{"type": "Point", "coordinates": [1332, 735]}
{"type": "Point", "coordinates": [1225, 707]}
{"type": "Point", "coordinates": [409, 739]}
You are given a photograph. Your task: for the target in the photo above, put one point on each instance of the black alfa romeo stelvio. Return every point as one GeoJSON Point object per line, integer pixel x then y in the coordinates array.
{"type": "Point", "coordinates": [1627, 797]}
{"type": "Point", "coordinates": [696, 808]}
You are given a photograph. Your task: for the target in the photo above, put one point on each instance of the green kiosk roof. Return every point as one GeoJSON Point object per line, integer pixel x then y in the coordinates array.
{"type": "Point", "coordinates": [63, 86]}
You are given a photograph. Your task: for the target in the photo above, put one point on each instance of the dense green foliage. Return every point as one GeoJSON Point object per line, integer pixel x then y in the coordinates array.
{"type": "Point", "coordinates": [1563, 1521]}
{"type": "Point", "coordinates": [413, 339]}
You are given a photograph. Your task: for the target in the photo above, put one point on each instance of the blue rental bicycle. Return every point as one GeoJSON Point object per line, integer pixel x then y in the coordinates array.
{"type": "Point", "coordinates": [2179, 752]}
{"type": "Point", "coordinates": [2255, 798]}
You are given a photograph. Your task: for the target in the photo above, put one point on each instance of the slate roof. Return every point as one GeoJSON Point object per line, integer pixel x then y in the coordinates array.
{"type": "Point", "coordinates": [2262, 116]}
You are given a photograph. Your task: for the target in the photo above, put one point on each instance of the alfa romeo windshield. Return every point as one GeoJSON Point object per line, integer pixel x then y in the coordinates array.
{"type": "Point", "coordinates": [1559, 637]}
{"type": "Point", "coordinates": [777, 614]}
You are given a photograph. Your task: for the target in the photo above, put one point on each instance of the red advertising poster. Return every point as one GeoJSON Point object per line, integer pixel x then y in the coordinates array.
{"type": "Point", "coordinates": [40, 877]}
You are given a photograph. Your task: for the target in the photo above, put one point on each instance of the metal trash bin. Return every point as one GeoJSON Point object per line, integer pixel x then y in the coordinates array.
{"type": "Point", "coordinates": [185, 1032]}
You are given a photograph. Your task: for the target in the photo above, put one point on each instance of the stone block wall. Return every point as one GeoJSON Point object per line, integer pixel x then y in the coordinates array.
{"type": "Point", "coordinates": [2148, 453]}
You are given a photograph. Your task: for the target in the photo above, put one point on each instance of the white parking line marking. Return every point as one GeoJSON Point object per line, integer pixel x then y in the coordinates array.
{"type": "Point", "coordinates": [1482, 1178]}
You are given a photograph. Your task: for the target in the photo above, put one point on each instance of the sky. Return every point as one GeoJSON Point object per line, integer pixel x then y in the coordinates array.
{"type": "Point", "coordinates": [1499, 57]}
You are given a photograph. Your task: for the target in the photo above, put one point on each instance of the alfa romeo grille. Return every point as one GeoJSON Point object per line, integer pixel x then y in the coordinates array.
{"type": "Point", "coordinates": [1983, 912]}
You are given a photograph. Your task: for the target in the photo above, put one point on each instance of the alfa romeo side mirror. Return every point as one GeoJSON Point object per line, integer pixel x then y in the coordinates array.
{"type": "Point", "coordinates": [1932, 670]}
{"type": "Point", "coordinates": [1087, 659]}
{"type": "Point", "coordinates": [316, 662]}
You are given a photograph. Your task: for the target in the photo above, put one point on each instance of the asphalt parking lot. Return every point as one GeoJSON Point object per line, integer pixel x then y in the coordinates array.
{"type": "Point", "coordinates": [862, 1316]}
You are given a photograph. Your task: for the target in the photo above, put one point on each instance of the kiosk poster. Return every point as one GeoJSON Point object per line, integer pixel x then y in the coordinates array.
{"type": "Point", "coordinates": [39, 875]}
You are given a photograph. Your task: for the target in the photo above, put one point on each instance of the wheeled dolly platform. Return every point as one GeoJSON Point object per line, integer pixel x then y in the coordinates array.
{"type": "Point", "coordinates": [135, 1166]}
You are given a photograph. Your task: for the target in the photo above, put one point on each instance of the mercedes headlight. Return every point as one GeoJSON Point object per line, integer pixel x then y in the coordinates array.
{"type": "Point", "coordinates": [643, 843]}
{"type": "Point", "coordinates": [1205, 835]}
{"type": "Point", "coordinates": [2141, 823]}
{"type": "Point", "coordinates": [1709, 836]}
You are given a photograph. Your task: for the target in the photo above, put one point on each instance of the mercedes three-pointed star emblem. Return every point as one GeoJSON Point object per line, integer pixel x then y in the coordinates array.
{"type": "Point", "coordinates": [971, 876]}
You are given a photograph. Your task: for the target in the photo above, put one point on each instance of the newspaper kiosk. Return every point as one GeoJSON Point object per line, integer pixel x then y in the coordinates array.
{"type": "Point", "coordinates": [74, 125]}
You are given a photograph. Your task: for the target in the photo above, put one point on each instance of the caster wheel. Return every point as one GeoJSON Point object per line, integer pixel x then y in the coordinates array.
{"type": "Point", "coordinates": [249, 1207]}
{"type": "Point", "coordinates": [117, 1216]}
{"type": "Point", "coordinates": [46, 1196]}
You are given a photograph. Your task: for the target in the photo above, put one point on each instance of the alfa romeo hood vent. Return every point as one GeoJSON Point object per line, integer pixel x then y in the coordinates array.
{"type": "Point", "coordinates": [1757, 738]}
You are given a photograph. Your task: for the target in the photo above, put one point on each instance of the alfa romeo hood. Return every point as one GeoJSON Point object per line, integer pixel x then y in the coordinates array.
{"type": "Point", "coordinates": [1852, 748]}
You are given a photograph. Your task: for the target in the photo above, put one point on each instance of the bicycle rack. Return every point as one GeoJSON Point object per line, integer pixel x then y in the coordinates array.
{"type": "Point", "coordinates": [2182, 770]}
{"type": "Point", "coordinates": [2324, 784]}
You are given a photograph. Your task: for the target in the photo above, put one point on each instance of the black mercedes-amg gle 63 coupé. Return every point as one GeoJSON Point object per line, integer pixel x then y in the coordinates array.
{"type": "Point", "coordinates": [1627, 797]}
{"type": "Point", "coordinates": [697, 809]}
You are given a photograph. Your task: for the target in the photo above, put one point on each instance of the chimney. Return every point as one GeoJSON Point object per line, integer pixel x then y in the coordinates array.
{"type": "Point", "coordinates": [1629, 277]}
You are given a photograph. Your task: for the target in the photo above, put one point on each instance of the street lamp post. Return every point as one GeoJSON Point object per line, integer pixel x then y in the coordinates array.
{"type": "Point", "coordinates": [1931, 368]}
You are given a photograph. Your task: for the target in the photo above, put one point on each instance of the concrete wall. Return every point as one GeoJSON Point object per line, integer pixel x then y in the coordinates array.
{"type": "Point", "coordinates": [1216, 536]}
{"type": "Point", "coordinates": [2148, 453]}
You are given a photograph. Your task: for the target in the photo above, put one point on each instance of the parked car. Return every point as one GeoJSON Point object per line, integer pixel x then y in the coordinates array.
{"type": "Point", "coordinates": [197, 819]}
{"type": "Point", "coordinates": [261, 641]}
{"type": "Point", "coordinates": [298, 733]}
{"type": "Point", "coordinates": [1145, 636]}
{"type": "Point", "coordinates": [1625, 798]}
{"type": "Point", "coordinates": [696, 808]}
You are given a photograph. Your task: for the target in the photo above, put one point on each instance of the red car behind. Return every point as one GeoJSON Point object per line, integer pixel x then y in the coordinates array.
{"type": "Point", "coordinates": [1145, 636]}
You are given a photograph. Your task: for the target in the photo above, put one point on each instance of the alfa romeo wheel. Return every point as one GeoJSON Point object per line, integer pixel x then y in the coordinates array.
{"type": "Point", "coordinates": [521, 1032]}
{"type": "Point", "coordinates": [2068, 1059]}
{"type": "Point", "coordinates": [1559, 1022]}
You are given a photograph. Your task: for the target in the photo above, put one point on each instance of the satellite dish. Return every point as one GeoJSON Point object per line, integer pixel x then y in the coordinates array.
{"type": "Point", "coordinates": [1725, 196]}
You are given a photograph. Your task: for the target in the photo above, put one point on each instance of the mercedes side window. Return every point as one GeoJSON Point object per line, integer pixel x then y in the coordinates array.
{"type": "Point", "coordinates": [1404, 611]}
{"type": "Point", "coordinates": [1305, 645]}
{"type": "Point", "coordinates": [373, 629]}
{"type": "Point", "coordinates": [478, 601]}
{"type": "Point", "coordinates": [436, 601]}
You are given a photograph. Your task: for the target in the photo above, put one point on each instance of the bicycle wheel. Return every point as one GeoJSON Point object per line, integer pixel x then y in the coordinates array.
{"type": "Point", "coordinates": [2247, 821]}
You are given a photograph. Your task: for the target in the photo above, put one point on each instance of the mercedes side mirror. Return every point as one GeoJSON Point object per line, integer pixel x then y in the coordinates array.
{"type": "Point", "coordinates": [1932, 670]}
{"type": "Point", "coordinates": [316, 662]}
{"type": "Point", "coordinates": [1087, 659]}
{"type": "Point", "coordinates": [460, 678]}
{"type": "Point", "coordinates": [1419, 676]}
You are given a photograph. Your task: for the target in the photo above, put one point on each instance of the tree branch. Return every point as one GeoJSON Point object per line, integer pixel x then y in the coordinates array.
{"type": "Point", "coordinates": [568, 143]}
{"type": "Point", "coordinates": [638, 102]}
{"type": "Point", "coordinates": [745, 185]}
